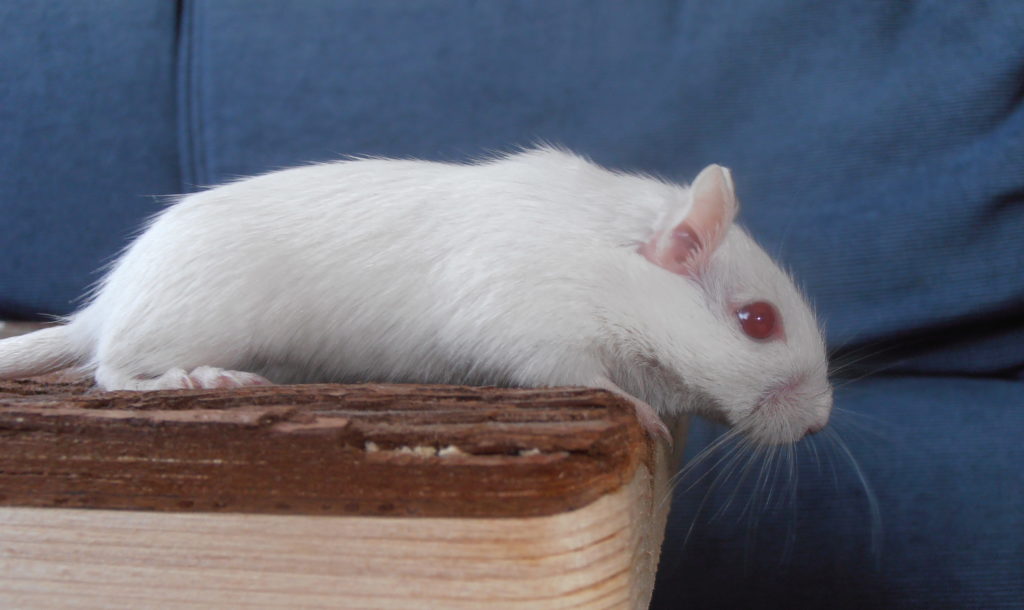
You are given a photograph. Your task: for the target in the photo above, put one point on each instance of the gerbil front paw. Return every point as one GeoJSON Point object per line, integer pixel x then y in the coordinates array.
{"type": "Point", "coordinates": [213, 377]}
{"type": "Point", "coordinates": [652, 422]}
{"type": "Point", "coordinates": [645, 413]}
{"type": "Point", "coordinates": [179, 379]}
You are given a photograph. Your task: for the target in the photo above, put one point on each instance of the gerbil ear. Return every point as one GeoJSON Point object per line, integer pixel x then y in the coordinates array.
{"type": "Point", "coordinates": [684, 245]}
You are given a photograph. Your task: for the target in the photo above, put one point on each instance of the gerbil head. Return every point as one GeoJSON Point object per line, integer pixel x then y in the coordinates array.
{"type": "Point", "coordinates": [732, 324]}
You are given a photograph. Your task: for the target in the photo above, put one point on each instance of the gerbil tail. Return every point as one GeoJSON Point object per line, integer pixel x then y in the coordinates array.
{"type": "Point", "coordinates": [36, 353]}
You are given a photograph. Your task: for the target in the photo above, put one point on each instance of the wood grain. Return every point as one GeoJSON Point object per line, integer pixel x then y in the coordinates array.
{"type": "Point", "coordinates": [366, 496]}
{"type": "Point", "coordinates": [317, 449]}
{"type": "Point", "coordinates": [600, 556]}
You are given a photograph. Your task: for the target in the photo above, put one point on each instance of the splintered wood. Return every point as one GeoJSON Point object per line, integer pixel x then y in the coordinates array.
{"type": "Point", "coordinates": [332, 496]}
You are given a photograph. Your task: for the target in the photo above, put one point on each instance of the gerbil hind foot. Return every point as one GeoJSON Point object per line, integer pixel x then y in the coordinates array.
{"type": "Point", "coordinates": [203, 377]}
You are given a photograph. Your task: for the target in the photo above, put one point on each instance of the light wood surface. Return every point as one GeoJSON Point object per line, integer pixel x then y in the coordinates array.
{"type": "Point", "coordinates": [600, 556]}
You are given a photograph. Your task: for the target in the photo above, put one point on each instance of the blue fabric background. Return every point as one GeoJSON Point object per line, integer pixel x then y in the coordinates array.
{"type": "Point", "coordinates": [878, 148]}
{"type": "Point", "coordinates": [942, 457]}
{"type": "Point", "coordinates": [87, 137]}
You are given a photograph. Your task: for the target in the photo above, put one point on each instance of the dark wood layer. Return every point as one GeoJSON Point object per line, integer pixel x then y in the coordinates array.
{"type": "Point", "coordinates": [401, 450]}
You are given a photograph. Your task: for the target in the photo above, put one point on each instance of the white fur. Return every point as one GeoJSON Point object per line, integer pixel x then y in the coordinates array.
{"type": "Point", "coordinates": [521, 270]}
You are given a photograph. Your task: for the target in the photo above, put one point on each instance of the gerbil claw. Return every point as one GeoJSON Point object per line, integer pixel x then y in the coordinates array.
{"type": "Point", "coordinates": [179, 379]}
{"type": "Point", "coordinates": [648, 417]}
{"type": "Point", "coordinates": [213, 377]}
{"type": "Point", "coordinates": [652, 423]}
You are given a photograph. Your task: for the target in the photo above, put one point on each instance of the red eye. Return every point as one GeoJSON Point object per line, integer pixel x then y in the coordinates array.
{"type": "Point", "coordinates": [759, 319]}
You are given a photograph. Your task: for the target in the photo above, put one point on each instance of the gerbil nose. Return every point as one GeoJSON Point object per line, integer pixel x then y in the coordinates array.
{"type": "Point", "coordinates": [822, 411]}
{"type": "Point", "coordinates": [818, 425]}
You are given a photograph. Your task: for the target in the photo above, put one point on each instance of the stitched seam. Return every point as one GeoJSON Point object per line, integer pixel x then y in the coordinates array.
{"type": "Point", "coordinates": [185, 168]}
{"type": "Point", "coordinates": [202, 171]}
{"type": "Point", "coordinates": [190, 125]}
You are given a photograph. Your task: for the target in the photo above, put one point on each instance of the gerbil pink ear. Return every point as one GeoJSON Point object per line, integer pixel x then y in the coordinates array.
{"type": "Point", "coordinates": [684, 244]}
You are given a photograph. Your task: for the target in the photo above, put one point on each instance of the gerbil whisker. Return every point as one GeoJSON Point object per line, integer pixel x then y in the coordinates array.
{"type": "Point", "coordinates": [794, 474]}
{"type": "Point", "coordinates": [723, 477]}
{"type": "Point", "coordinates": [841, 369]}
{"type": "Point", "coordinates": [871, 373]}
{"type": "Point", "coordinates": [715, 468]}
{"type": "Point", "coordinates": [751, 460]}
{"type": "Point", "coordinates": [759, 455]}
{"type": "Point", "coordinates": [707, 495]}
{"type": "Point", "coordinates": [772, 461]}
{"type": "Point", "coordinates": [869, 425]}
{"type": "Point", "coordinates": [844, 359]}
{"type": "Point", "coordinates": [814, 451]}
{"type": "Point", "coordinates": [696, 517]}
{"type": "Point", "coordinates": [724, 473]}
{"type": "Point", "coordinates": [864, 352]}
{"type": "Point", "coordinates": [791, 497]}
{"type": "Point", "coordinates": [763, 456]}
{"type": "Point", "coordinates": [873, 505]}
{"type": "Point", "coordinates": [857, 414]}
{"type": "Point", "coordinates": [832, 462]}
{"type": "Point", "coordinates": [704, 455]}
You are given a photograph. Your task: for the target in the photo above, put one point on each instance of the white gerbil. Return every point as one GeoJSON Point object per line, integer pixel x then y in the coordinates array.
{"type": "Point", "coordinates": [534, 269]}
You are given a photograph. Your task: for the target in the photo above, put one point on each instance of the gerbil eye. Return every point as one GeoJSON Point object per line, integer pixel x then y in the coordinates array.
{"type": "Point", "coordinates": [759, 320]}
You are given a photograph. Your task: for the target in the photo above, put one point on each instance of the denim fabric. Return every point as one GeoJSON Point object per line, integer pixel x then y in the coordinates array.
{"type": "Point", "coordinates": [87, 138]}
{"type": "Point", "coordinates": [942, 459]}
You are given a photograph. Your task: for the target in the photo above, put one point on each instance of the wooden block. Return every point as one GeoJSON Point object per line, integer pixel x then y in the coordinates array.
{"type": "Point", "coordinates": [365, 496]}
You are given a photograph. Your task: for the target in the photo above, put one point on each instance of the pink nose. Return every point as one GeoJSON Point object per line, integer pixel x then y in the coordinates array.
{"type": "Point", "coordinates": [814, 429]}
